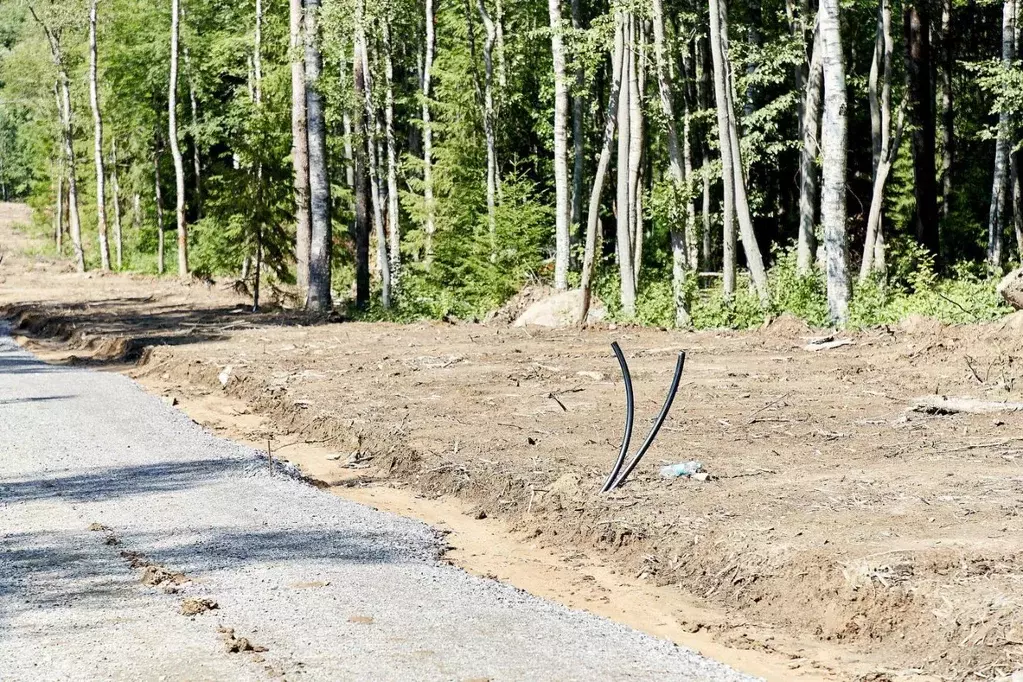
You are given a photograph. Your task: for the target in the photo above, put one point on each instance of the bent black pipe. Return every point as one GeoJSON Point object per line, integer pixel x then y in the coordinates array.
{"type": "Point", "coordinates": [679, 364]}
{"type": "Point", "coordinates": [629, 415]}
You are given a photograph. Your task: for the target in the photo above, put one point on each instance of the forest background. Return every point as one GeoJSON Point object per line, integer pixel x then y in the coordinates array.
{"type": "Point", "coordinates": [692, 164]}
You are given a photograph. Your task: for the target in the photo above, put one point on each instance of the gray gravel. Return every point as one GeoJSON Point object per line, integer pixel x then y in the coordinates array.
{"type": "Point", "coordinates": [293, 569]}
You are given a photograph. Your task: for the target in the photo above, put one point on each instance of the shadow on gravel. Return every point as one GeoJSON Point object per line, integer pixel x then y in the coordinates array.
{"type": "Point", "coordinates": [86, 570]}
{"type": "Point", "coordinates": [37, 399]}
{"type": "Point", "coordinates": [116, 482]}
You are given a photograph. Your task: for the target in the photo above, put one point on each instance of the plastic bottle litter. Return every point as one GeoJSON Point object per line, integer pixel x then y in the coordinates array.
{"type": "Point", "coordinates": [682, 469]}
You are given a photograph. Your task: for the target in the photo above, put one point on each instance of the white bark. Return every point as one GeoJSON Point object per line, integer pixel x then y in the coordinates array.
{"type": "Point", "coordinates": [393, 217]}
{"type": "Point", "coordinates": [808, 184]}
{"type": "Point", "coordinates": [97, 119]}
{"type": "Point", "coordinates": [429, 227]}
{"type": "Point", "coordinates": [593, 211]}
{"type": "Point", "coordinates": [158, 200]}
{"type": "Point", "coordinates": [886, 150]}
{"type": "Point", "coordinates": [1003, 144]}
{"type": "Point", "coordinates": [318, 296]}
{"type": "Point", "coordinates": [562, 216]}
{"type": "Point", "coordinates": [172, 134]}
{"type": "Point", "coordinates": [754, 259]}
{"type": "Point", "coordinates": [623, 236]}
{"type": "Point", "coordinates": [724, 113]}
{"type": "Point", "coordinates": [116, 187]}
{"type": "Point", "coordinates": [489, 124]}
{"type": "Point", "coordinates": [64, 113]}
{"type": "Point", "coordinates": [833, 147]}
{"type": "Point", "coordinates": [362, 62]}
{"type": "Point", "coordinates": [679, 248]}
{"type": "Point", "coordinates": [636, 74]}
{"type": "Point", "coordinates": [299, 143]}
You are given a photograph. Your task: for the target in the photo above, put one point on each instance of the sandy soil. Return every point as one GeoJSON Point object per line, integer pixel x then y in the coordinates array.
{"type": "Point", "coordinates": [841, 534]}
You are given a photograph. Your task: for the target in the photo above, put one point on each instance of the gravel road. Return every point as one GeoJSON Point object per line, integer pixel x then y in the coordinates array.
{"type": "Point", "coordinates": [116, 511]}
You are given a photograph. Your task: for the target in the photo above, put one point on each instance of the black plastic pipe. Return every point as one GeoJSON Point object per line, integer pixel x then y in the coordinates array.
{"type": "Point", "coordinates": [679, 364]}
{"type": "Point", "coordinates": [629, 415]}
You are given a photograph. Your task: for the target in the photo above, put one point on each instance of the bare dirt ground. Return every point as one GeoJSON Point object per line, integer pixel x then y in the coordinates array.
{"type": "Point", "coordinates": [841, 535]}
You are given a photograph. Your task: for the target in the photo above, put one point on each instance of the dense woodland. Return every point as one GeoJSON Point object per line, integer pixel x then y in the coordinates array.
{"type": "Point", "coordinates": [689, 164]}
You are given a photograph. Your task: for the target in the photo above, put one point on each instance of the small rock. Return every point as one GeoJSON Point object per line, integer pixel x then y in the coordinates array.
{"type": "Point", "coordinates": [170, 400]}
{"type": "Point", "coordinates": [334, 458]}
{"type": "Point", "coordinates": [225, 376]}
{"type": "Point", "coordinates": [193, 607]}
{"type": "Point", "coordinates": [596, 376]}
{"type": "Point", "coordinates": [701, 476]}
{"type": "Point", "coordinates": [98, 527]}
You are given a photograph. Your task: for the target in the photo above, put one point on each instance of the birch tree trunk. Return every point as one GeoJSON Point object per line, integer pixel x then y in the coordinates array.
{"type": "Point", "coordinates": [833, 147]}
{"type": "Point", "coordinates": [919, 66]}
{"type": "Point", "coordinates": [754, 259]}
{"type": "Point", "coordinates": [393, 216]}
{"type": "Point", "coordinates": [429, 228]}
{"type": "Point", "coordinates": [690, 232]}
{"type": "Point", "coordinates": [362, 62]}
{"type": "Point", "coordinates": [724, 114]}
{"type": "Point", "coordinates": [97, 119]}
{"type": "Point", "coordinates": [299, 143]}
{"type": "Point", "coordinates": [808, 185]}
{"type": "Point", "coordinates": [489, 124]}
{"type": "Point", "coordinates": [702, 95]}
{"type": "Point", "coordinates": [1000, 182]}
{"type": "Point", "coordinates": [593, 211]}
{"type": "Point", "coordinates": [623, 207]}
{"type": "Point", "coordinates": [946, 114]}
{"type": "Point", "coordinates": [346, 122]}
{"type": "Point", "coordinates": [361, 188]}
{"type": "Point", "coordinates": [158, 200]}
{"type": "Point", "coordinates": [679, 248]}
{"type": "Point", "coordinates": [635, 147]}
{"type": "Point", "coordinates": [502, 69]}
{"type": "Point", "coordinates": [1017, 204]}
{"type": "Point", "coordinates": [64, 112]}
{"type": "Point", "coordinates": [873, 244]}
{"type": "Point", "coordinates": [886, 152]}
{"type": "Point", "coordinates": [193, 101]}
{"type": "Point", "coordinates": [116, 187]}
{"type": "Point", "coordinates": [59, 210]}
{"type": "Point", "coordinates": [318, 297]}
{"type": "Point", "coordinates": [172, 134]}
{"type": "Point", "coordinates": [578, 143]}
{"type": "Point", "coordinates": [562, 217]}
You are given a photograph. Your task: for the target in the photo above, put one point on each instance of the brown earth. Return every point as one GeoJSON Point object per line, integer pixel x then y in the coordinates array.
{"type": "Point", "coordinates": [840, 536]}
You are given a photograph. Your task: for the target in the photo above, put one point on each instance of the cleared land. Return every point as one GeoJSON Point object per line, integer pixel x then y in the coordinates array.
{"type": "Point", "coordinates": [840, 529]}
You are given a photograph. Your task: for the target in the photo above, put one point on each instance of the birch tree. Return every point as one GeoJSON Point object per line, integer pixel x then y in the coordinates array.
{"type": "Point", "coordinates": [489, 123]}
{"type": "Point", "coordinates": [64, 112]}
{"type": "Point", "coordinates": [429, 226]}
{"type": "Point", "coordinates": [1003, 143]}
{"type": "Point", "coordinates": [562, 217]}
{"type": "Point", "coordinates": [679, 248]}
{"type": "Point", "coordinates": [299, 141]}
{"type": "Point", "coordinates": [600, 176]}
{"type": "Point", "coordinates": [172, 136]}
{"type": "Point", "coordinates": [115, 186]}
{"type": "Point", "coordinates": [806, 245]}
{"type": "Point", "coordinates": [622, 208]}
{"type": "Point", "coordinates": [97, 119]}
{"type": "Point", "coordinates": [362, 62]}
{"type": "Point", "coordinates": [318, 296]}
{"type": "Point", "coordinates": [833, 147]}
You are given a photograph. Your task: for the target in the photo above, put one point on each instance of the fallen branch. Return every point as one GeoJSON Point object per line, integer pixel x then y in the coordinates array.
{"type": "Point", "coordinates": [938, 404]}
